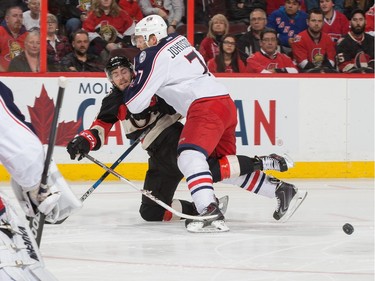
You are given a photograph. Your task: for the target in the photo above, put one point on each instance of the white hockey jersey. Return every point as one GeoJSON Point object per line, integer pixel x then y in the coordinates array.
{"type": "Point", "coordinates": [175, 71]}
{"type": "Point", "coordinates": [21, 152]}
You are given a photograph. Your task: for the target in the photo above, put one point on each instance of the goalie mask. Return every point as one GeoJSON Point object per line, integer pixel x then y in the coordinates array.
{"type": "Point", "coordinates": [149, 25]}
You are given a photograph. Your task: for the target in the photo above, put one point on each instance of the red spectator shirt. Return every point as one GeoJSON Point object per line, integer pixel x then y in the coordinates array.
{"type": "Point", "coordinates": [10, 47]}
{"type": "Point", "coordinates": [370, 19]}
{"type": "Point", "coordinates": [259, 62]}
{"type": "Point", "coordinates": [208, 48]}
{"type": "Point", "coordinates": [337, 27]}
{"type": "Point", "coordinates": [212, 67]}
{"type": "Point", "coordinates": [122, 22]}
{"type": "Point", "coordinates": [132, 8]}
{"type": "Point", "coordinates": [306, 50]}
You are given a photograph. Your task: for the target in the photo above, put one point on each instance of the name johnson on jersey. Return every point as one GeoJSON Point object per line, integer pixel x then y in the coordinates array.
{"type": "Point", "coordinates": [178, 47]}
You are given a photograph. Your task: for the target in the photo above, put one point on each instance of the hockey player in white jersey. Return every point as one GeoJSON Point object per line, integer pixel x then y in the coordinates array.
{"type": "Point", "coordinates": [172, 68]}
{"type": "Point", "coordinates": [22, 154]}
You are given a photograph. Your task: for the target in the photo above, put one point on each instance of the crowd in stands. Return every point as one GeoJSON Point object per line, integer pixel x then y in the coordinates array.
{"type": "Point", "coordinates": [254, 36]}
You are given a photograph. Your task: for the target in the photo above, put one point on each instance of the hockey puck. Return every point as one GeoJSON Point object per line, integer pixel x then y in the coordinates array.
{"type": "Point", "coordinates": [348, 228]}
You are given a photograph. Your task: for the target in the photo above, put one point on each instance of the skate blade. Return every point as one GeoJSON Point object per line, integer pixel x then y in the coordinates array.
{"type": "Point", "coordinates": [215, 227]}
{"type": "Point", "coordinates": [294, 205]}
{"type": "Point", "coordinates": [223, 204]}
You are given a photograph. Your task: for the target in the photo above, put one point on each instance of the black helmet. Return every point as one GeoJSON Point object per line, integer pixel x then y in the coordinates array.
{"type": "Point", "coordinates": [116, 62]}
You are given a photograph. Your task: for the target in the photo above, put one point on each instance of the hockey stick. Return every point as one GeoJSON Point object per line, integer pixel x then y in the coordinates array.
{"type": "Point", "coordinates": [37, 222]}
{"type": "Point", "coordinates": [105, 175]}
{"type": "Point", "coordinates": [147, 193]}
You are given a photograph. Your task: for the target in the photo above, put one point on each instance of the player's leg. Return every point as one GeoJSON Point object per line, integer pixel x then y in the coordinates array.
{"type": "Point", "coordinates": [288, 196]}
{"type": "Point", "coordinates": [20, 258]}
{"type": "Point", "coordinates": [163, 177]}
{"type": "Point", "coordinates": [205, 125]}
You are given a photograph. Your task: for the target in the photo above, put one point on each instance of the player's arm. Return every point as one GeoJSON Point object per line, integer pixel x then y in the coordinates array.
{"type": "Point", "coordinates": [254, 65]}
{"type": "Point", "coordinates": [344, 58]}
{"type": "Point", "coordinates": [331, 53]}
{"type": "Point", "coordinates": [93, 138]}
{"type": "Point", "coordinates": [150, 75]}
{"type": "Point", "coordinates": [300, 54]}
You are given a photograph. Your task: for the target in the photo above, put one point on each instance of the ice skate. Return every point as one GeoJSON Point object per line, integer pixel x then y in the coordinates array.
{"type": "Point", "coordinates": [289, 198]}
{"type": "Point", "coordinates": [211, 225]}
{"type": "Point", "coordinates": [276, 162]}
{"type": "Point", "coordinates": [223, 204]}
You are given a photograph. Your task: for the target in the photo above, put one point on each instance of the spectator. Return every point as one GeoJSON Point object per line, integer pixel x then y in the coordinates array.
{"type": "Point", "coordinates": [288, 21]}
{"type": "Point", "coordinates": [109, 27]}
{"type": "Point", "coordinates": [57, 45]}
{"type": "Point", "coordinates": [171, 11]}
{"type": "Point", "coordinates": [206, 9]}
{"type": "Point", "coordinates": [370, 20]}
{"type": "Point", "coordinates": [315, 4]}
{"type": "Point", "coordinates": [79, 60]}
{"type": "Point", "coordinates": [351, 5]}
{"type": "Point", "coordinates": [336, 25]}
{"type": "Point", "coordinates": [73, 14]}
{"type": "Point", "coordinates": [6, 4]}
{"type": "Point", "coordinates": [12, 36]}
{"type": "Point", "coordinates": [355, 53]}
{"type": "Point", "coordinates": [28, 60]}
{"type": "Point", "coordinates": [239, 10]}
{"type": "Point", "coordinates": [70, 14]}
{"type": "Point", "coordinates": [273, 5]}
{"type": "Point", "coordinates": [217, 28]}
{"type": "Point", "coordinates": [248, 43]}
{"type": "Point", "coordinates": [31, 17]}
{"type": "Point", "coordinates": [313, 48]}
{"type": "Point", "coordinates": [269, 59]}
{"type": "Point", "coordinates": [228, 60]}
{"type": "Point", "coordinates": [132, 8]}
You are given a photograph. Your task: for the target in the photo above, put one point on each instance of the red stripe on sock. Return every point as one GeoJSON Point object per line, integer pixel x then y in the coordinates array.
{"type": "Point", "coordinates": [2, 207]}
{"type": "Point", "coordinates": [199, 181]}
{"type": "Point", "coordinates": [253, 181]}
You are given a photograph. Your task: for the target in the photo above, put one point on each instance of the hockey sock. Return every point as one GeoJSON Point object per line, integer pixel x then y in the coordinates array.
{"type": "Point", "coordinates": [257, 182]}
{"type": "Point", "coordinates": [182, 206]}
{"type": "Point", "coordinates": [2, 207]}
{"type": "Point", "coordinates": [194, 167]}
{"type": "Point", "coordinates": [232, 166]}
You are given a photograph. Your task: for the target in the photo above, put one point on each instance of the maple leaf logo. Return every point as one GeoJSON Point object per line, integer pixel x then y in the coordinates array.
{"type": "Point", "coordinates": [41, 116]}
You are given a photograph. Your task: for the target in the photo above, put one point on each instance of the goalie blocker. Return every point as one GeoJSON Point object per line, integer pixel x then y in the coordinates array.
{"type": "Point", "coordinates": [20, 258]}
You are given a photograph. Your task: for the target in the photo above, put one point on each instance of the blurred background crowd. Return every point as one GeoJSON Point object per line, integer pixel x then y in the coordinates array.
{"type": "Point", "coordinates": [253, 36]}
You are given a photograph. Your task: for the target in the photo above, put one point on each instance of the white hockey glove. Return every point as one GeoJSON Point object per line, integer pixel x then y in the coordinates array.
{"type": "Point", "coordinates": [30, 200]}
{"type": "Point", "coordinates": [57, 203]}
{"type": "Point", "coordinates": [45, 198]}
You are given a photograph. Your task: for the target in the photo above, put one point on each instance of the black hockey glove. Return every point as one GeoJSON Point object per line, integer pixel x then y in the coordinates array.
{"type": "Point", "coordinates": [82, 144]}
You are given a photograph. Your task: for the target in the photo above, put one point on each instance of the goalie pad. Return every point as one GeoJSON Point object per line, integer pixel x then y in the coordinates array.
{"type": "Point", "coordinates": [58, 206]}
{"type": "Point", "coordinates": [20, 258]}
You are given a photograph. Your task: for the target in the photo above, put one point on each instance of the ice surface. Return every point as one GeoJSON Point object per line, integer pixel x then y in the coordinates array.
{"type": "Point", "coordinates": [108, 240]}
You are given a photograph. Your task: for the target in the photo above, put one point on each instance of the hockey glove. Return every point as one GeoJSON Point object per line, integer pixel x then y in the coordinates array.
{"type": "Point", "coordinates": [86, 141]}
{"type": "Point", "coordinates": [145, 114]}
{"type": "Point", "coordinates": [46, 199]}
